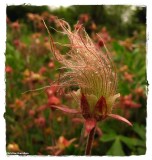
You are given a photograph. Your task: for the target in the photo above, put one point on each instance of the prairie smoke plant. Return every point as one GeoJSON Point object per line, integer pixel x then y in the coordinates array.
{"type": "Point", "coordinates": [92, 71]}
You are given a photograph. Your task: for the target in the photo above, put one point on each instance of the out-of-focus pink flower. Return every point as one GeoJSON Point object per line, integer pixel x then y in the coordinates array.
{"type": "Point", "coordinates": [93, 26]}
{"type": "Point", "coordinates": [18, 104]}
{"type": "Point", "coordinates": [31, 112]}
{"type": "Point", "coordinates": [53, 100]}
{"type": "Point", "coordinates": [16, 26]}
{"type": "Point", "coordinates": [52, 18]}
{"type": "Point", "coordinates": [128, 77]}
{"type": "Point", "coordinates": [84, 18]}
{"type": "Point", "coordinates": [132, 104]}
{"type": "Point", "coordinates": [36, 35]}
{"type": "Point", "coordinates": [61, 145]}
{"type": "Point", "coordinates": [30, 76]}
{"type": "Point", "coordinates": [40, 121]}
{"type": "Point", "coordinates": [41, 108]}
{"type": "Point", "coordinates": [46, 39]}
{"type": "Point", "coordinates": [128, 44]}
{"type": "Point", "coordinates": [16, 42]}
{"type": "Point", "coordinates": [51, 65]}
{"type": "Point", "coordinates": [21, 46]}
{"type": "Point", "coordinates": [8, 69]}
{"type": "Point", "coordinates": [42, 70]}
{"type": "Point", "coordinates": [139, 91]}
{"type": "Point", "coordinates": [31, 16]}
{"type": "Point", "coordinates": [105, 37]}
{"type": "Point", "coordinates": [127, 102]}
{"type": "Point", "coordinates": [51, 90]}
{"type": "Point", "coordinates": [63, 142]}
{"type": "Point", "coordinates": [40, 25]}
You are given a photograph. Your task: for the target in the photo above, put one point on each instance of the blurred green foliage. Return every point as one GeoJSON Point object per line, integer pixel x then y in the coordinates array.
{"type": "Point", "coordinates": [16, 12]}
{"type": "Point", "coordinates": [124, 18]}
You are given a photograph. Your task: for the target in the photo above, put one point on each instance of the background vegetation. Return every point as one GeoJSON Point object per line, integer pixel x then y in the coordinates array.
{"type": "Point", "coordinates": [31, 126]}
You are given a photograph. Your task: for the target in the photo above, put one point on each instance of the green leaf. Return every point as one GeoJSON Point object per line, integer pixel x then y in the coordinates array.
{"type": "Point", "coordinates": [116, 149]}
{"type": "Point", "coordinates": [140, 130]}
{"type": "Point", "coordinates": [72, 150]}
{"type": "Point", "coordinates": [9, 119]}
{"type": "Point", "coordinates": [118, 47]}
{"type": "Point", "coordinates": [141, 151]}
{"type": "Point", "coordinates": [108, 137]}
{"type": "Point", "coordinates": [127, 141]}
{"type": "Point", "coordinates": [132, 142]}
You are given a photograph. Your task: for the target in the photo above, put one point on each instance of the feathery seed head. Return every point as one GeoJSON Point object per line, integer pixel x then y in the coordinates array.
{"type": "Point", "coordinates": [90, 69]}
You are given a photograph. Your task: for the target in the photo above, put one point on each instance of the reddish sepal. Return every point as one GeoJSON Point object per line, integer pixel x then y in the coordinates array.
{"type": "Point", "coordinates": [85, 107]}
{"type": "Point", "coordinates": [115, 116]}
{"type": "Point", "coordinates": [66, 109]}
{"type": "Point", "coordinates": [100, 109]}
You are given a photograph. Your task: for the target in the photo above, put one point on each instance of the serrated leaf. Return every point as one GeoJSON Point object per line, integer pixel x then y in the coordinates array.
{"type": "Point", "coordinates": [116, 148]}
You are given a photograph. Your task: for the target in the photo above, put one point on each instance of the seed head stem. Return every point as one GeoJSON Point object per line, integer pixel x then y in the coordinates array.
{"type": "Point", "coordinates": [90, 142]}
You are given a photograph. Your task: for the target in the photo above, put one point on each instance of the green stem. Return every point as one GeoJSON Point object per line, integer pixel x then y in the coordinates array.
{"type": "Point", "coordinates": [90, 142]}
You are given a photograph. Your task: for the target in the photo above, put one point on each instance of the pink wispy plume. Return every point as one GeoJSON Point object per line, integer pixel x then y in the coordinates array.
{"type": "Point", "coordinates": [92, 71]}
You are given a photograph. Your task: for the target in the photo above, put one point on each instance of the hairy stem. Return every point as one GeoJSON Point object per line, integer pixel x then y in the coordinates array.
{"type": "Point", "coordinates": [90, 141]}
